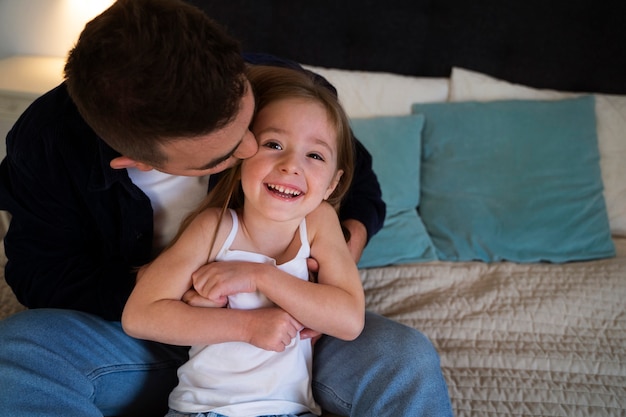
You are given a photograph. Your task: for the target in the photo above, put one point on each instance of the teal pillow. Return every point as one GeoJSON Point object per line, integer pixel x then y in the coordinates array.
{"type": "Point", "coordinates": [395, 145]}
{"type": "Point", "coordinates": [513, 180]}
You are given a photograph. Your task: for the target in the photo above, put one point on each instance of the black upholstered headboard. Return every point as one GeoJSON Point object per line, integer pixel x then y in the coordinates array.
{"type": "Point", "coordinates": [576, 45]}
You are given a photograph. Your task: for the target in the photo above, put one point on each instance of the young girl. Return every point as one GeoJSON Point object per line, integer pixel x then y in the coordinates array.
{"type": "Point", "coordinates": [281, 210]}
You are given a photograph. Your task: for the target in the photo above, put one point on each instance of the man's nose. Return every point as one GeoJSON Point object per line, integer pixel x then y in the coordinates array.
{"type": "Point", "coordinates": [247, 148]}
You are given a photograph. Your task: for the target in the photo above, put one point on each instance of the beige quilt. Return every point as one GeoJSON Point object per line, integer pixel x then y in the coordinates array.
{"type": "Point", "coordinates": [514, 340]}
{"type": "Point", "coordinates": [518, 340]}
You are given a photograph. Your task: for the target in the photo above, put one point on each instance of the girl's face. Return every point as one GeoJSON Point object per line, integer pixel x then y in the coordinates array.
{"type": "Point", "coordinates": [295, 168]}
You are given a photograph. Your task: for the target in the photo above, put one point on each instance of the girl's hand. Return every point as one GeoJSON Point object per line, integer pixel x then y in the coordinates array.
{"type": "Point", "coordinates": [215, 281]}
{"type": "Point", "coordinates": [273, 329]}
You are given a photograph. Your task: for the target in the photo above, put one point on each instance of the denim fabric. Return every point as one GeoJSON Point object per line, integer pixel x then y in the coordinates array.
{"type": "Point", "coordinates": [389, 370]}
{"type": "Point", "coordinates": [173, 413]}
{"type": "Point", "coordinates": [67, 363]}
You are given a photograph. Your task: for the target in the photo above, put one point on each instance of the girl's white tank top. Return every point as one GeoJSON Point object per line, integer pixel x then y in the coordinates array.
{"type": "Point", "coordinates": [237, 379]}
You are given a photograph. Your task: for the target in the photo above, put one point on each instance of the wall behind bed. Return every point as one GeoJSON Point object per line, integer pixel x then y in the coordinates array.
{"type": "Point", "coordinates": [575, 45]}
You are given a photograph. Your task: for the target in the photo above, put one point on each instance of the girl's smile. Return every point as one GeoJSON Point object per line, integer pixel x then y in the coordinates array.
{"type": "Point", "coordinates": [284, 191]}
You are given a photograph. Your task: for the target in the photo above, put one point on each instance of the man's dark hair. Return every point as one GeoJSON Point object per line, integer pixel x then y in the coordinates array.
{"type": "Point", "coordinates": [145, 72]}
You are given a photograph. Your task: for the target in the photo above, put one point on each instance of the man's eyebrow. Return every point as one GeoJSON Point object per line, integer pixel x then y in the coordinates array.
{"type": "Point", "coordinates": [215, 162]}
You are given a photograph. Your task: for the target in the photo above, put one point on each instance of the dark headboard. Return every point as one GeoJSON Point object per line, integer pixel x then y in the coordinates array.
{"type": "Point", "coordinates": [576, 45]}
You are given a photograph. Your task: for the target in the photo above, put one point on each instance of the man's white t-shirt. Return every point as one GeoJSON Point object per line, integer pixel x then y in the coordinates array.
{"type": "Point", "coordinates": [172, 198]}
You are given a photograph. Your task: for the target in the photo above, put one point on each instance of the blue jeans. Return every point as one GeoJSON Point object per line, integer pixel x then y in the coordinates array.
{"type": "Point", "coordinates": [173, 413]}
{"type": "Point", "coordinates": [68, 363]}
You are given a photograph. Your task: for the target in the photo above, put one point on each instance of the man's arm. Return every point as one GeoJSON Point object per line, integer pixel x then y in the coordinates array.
{"type": "Point", "coordinates": [73, 239]}
{"type": "Point", "coordinates": [363, 202]}
{"type": "Point", "coordinates": [52, 261]}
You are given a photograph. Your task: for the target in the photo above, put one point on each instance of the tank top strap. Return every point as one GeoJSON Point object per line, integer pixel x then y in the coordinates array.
{"type": "Point", "coordinates": [233, 232]}
{"type": "Point", "coordinates": [305, 248]}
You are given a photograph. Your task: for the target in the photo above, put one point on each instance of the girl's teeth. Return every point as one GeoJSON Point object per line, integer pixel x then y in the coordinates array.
{"type": "Point", "coordinates": [284, 190]}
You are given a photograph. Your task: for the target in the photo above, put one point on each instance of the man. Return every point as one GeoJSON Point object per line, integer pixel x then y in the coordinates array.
{"type": "Point", "coordinates": [98, 174]}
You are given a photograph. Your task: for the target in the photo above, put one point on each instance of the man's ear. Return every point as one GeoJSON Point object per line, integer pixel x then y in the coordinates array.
{"type": "Point", "coordinates": [122, 162]}
{"type": "Point", "coordinates": [333, 184]}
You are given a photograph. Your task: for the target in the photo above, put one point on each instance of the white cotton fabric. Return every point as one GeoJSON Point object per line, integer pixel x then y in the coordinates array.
{"type": "Point", "coordinates": [371, 93]}
{"type": "Point", "coordinates": [172, 198]}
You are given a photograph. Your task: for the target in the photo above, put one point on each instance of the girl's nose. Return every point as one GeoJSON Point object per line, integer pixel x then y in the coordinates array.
{"type": "Point", "coordinates": [289, 164]}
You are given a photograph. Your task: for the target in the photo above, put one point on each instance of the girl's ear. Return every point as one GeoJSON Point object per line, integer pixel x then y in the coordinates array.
{"type": "Point", "coordinates": [333, 184]}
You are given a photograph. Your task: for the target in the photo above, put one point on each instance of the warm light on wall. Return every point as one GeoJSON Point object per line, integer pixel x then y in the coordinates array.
{"type": "Point", "coordinates": [45, 27]}
{"type": "Point", "coordinates": [82, 11]}
{"type": "Point", "coordinates": [76, 13]}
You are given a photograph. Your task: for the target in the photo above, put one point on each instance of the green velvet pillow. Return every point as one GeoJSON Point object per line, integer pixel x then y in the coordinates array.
{"type": "Point", "coordinates": [513, 180]}
{"type": "Point", "coordinates": [395, 145]}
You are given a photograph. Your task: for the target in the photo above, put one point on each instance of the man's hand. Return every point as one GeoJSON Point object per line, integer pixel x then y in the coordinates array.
{"type": "Point", "coordinates": [194, 299]}
{"type": "Point", "coordinates": [358, 237]}
{"type": "Point", "coordinates": [191, 297]}
{"type": "Point", "coordinates": [310, 334]}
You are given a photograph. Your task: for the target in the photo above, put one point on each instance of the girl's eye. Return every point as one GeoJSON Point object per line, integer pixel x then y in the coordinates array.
{"type": "Point", "coordinates": [316, 156]}
{"type": "Point", "coordinates": [273, 145]}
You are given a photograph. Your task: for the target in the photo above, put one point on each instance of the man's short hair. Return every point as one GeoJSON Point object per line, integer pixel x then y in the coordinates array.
{"type": "Point", "coordinates": [149, 71]}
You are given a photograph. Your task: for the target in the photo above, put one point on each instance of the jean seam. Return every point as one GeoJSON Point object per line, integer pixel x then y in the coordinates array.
{"type": "Point", "coordinates": [329, 391]}
{"type": "Point", "coordinates": [105, 370]}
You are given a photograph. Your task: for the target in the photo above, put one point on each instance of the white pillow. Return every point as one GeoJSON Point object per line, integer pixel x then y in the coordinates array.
{"type": "Point", "coordinates": [369, 94]}
{"type": "Point", "coordinates": [466, 85]}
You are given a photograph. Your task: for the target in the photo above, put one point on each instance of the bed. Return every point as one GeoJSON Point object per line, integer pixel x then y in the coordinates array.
{"type": "Point", "coordinates": [498, 132]}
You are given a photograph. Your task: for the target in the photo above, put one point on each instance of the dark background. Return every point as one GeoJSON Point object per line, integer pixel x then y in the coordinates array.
{"type": "Point", "coordinates": [576, 45]}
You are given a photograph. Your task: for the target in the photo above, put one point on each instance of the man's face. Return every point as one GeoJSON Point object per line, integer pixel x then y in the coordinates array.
{"type": "Point", "coordinates": [215, 151]}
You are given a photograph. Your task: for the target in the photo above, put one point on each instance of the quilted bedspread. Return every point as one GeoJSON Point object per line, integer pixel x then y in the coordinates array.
{"type": "Point", "coordinates": [518, 340]}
